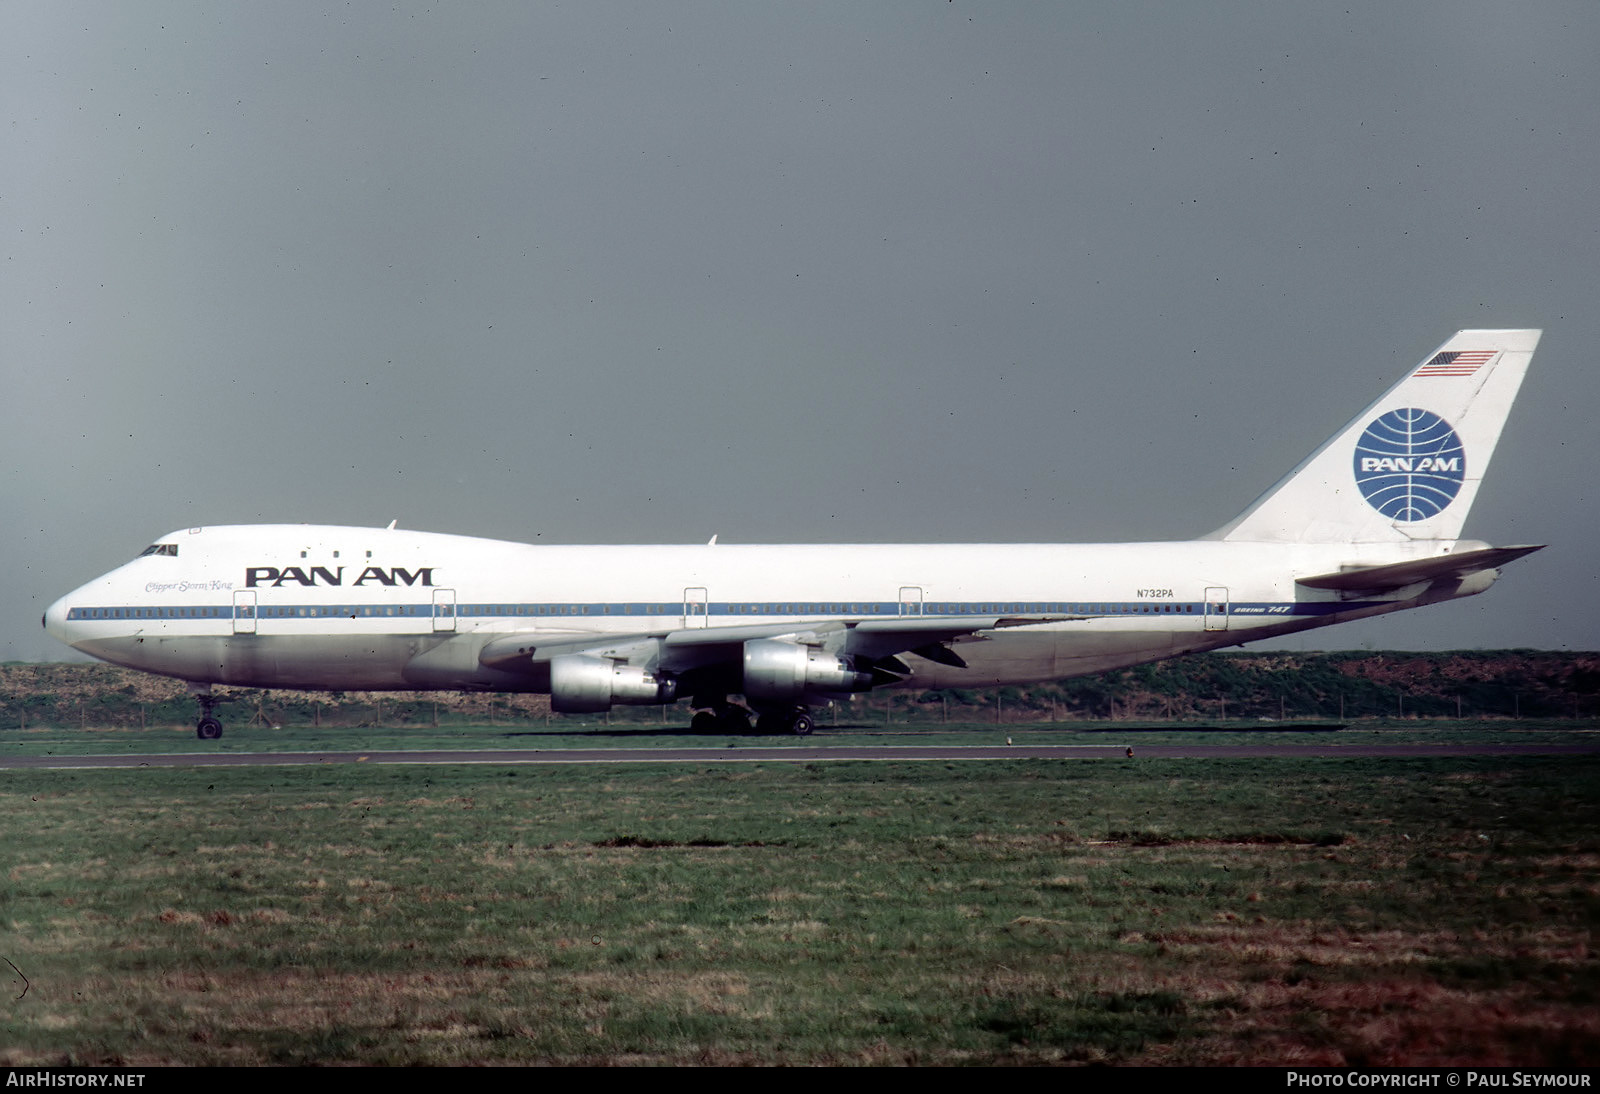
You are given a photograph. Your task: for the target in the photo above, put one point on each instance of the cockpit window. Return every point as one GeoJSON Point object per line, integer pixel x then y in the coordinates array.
{"type": "Point", "coordinates": [160, 549]}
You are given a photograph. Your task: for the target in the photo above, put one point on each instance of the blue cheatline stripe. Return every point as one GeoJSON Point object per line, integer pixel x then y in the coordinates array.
{"type": "Point", "coordinates": [734, 610]}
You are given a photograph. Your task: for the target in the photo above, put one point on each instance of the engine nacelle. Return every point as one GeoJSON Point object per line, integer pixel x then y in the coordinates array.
{"type": "Point", "coordinates": [776, 671]}
{"type": "Point", "coordinates": [581, 683]}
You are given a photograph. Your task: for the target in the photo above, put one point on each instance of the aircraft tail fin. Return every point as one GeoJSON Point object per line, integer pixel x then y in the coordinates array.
{"type": "Point", "coordinates": [1409, 466]}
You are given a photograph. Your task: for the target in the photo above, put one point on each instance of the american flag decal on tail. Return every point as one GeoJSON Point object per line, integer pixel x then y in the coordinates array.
{"type": "Point", "coordinates": [1456, 363]}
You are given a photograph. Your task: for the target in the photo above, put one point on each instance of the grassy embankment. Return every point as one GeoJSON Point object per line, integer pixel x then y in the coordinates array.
{"type": "Point", "coordinates": [1352, 911]}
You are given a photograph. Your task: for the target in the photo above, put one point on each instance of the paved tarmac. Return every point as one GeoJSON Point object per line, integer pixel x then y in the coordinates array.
{"type": "Point", "coordinates": [794, 754]}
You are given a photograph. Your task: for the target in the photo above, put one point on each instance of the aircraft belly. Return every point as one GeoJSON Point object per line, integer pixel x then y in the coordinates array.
{"type": "Point", "coordinates": [322, 661]}
{"type": "Point", "coordinates": [1020, 657]}
{"type": "Point", "coordinates": [313, 662]}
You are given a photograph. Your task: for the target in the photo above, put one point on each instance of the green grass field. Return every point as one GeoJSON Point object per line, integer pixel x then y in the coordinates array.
{"type": "Point", "coordinates": [1195, 912]}
{"type": "Point", "coordinates": [41, 740]}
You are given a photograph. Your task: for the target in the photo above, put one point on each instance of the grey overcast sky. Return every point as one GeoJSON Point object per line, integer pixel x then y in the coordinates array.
{"type": "Point", "coordinates": [645, 272]}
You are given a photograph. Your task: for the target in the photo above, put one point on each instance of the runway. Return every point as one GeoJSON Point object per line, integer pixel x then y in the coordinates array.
{"type": "Point", "coordinates": [793, 754]}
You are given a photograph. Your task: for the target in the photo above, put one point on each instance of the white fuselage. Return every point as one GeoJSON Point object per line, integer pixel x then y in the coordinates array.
{"type": "Point", "coordinates": [317, 607]}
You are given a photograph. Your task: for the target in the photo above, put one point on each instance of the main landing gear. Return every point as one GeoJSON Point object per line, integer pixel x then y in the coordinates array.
{"type": "Point", "coordinates": [725, 717]}
{"type": "Point", "coordinates": [797, 721]}
{"type": "Point", "coordinates": [209, 727]}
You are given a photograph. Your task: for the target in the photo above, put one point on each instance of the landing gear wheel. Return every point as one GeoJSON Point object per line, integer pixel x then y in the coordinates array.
{"type": "Point", "coordinates": [800, 723]}
{"type": "Point", "coordinates": [207, 728]}
{"type": "Point", "coordinates": [703, 722]}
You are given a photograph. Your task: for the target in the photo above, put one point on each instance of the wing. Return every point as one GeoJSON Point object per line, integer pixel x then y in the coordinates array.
{"type": "Point", "coordinates": [680, 650]}
{"type": "Point", "coordinates": [769, 663]}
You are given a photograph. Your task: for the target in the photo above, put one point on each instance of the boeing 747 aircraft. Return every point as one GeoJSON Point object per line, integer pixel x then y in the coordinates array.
{"type": "Point", "coordinates": [1368, 524]}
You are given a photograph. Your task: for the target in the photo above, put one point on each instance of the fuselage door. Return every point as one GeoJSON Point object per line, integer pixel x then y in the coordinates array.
{"type": "Point", "coordinates": [444, 610]}
{"type": "Point", "coordinates": [244, 611]}
{"type": "Point", "coordinates": [696, 607]}
{"type": "Point", "coordinates": [1216, 608]}
{"type": "Point", "coordinates": [911, 600]}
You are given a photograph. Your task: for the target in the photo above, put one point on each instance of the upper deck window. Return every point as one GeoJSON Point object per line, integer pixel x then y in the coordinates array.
{"type": "Point", "coordinates": [160, 549]}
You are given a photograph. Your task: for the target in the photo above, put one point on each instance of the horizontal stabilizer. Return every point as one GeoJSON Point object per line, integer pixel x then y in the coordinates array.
{"type": "Point", "coordinates": [1398, 574]}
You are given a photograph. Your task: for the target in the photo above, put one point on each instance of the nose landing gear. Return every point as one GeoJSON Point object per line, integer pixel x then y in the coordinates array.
{"type": "Point", "coordinates": [209, 727]}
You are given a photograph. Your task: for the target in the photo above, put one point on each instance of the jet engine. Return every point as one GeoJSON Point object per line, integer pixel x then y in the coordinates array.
{"type": "Point", "coordinates": [776, 672]}
{"type": "Point", "coordinates": [581, 683]}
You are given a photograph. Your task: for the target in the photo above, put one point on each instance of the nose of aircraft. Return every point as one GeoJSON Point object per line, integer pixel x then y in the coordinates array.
{"type": "Point", "coordinates": [55, 621]}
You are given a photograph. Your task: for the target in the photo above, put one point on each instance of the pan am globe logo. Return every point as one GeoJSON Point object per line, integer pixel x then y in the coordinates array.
{"type": "Point", "coordinates": [1410, 464]}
